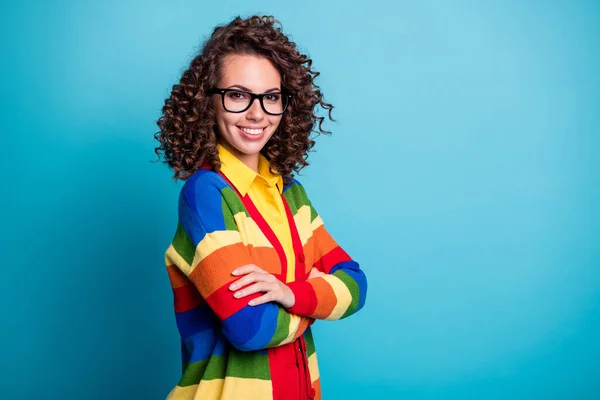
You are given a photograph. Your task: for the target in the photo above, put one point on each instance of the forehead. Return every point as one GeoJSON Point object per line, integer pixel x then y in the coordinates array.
{"type": "Point", "coordinates": [255, 73]}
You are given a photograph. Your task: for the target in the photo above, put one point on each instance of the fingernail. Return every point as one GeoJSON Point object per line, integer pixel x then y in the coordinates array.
{"type": "Point", "coordinates": [237, 294]}
{"type": "Point", "coordinates": [235, 272]}
{"type": "Point", "coordinates": [252, 302]}
{"type": "Point", "coordinates": [232, 287]}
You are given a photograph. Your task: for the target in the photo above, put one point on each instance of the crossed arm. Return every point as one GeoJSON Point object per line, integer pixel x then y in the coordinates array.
{"type": "Point", "coordinates": [208, 248]}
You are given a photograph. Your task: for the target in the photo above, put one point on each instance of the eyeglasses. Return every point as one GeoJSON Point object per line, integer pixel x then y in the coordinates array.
{"type": "Point", "coordinates": [237, 101]}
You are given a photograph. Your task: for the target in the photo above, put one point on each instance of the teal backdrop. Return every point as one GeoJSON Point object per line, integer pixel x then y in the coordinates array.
{"type": "Point", "coordinates": [462, 174]}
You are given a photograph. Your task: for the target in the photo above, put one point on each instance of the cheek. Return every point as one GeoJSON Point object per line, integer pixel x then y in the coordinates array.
{"type": "Point", "coordinates": [224, 118]}
{"type": "Point", "coordinates": [275, 121]}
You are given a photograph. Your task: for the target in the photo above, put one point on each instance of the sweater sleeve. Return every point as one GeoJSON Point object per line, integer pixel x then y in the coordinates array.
{"type": "Point", "coordinates": [207, 247]}
{"type": "Point", "coordinates": [341, 291]}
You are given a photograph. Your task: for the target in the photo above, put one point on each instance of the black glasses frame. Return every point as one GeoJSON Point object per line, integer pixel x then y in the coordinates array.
{"type": "Point", "coordinates": [253, 96]}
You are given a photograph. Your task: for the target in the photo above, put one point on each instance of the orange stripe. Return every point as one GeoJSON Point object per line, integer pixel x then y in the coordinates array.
{"type": "Point", "coordinates": [309, 254]}
{"type": "Point", "coordinates": [266, 258]}
{"type": "Point", "coordinates": [317, 386]}
{"type": "Point", "coordinates": [304, 323]}
{"type": "Point", "coordinates": [326, 296]}
{"type": "Point", "coordinates": [214, 271]}
{"type": "Point", "coordinates": [176, 276]}
{"type": "Point", "coordinates": [324, 243]}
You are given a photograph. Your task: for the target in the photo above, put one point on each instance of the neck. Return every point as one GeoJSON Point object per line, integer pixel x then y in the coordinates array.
{"type": "Point", "coordinates": [251, 160]}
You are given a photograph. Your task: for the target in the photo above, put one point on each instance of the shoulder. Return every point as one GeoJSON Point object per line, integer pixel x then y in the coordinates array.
{"type": "Point", "coordinates": [204, 186]}
{"type": "Point", "coordinates": [295, 194]}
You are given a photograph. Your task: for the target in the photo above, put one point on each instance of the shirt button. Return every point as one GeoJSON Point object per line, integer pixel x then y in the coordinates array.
{"type": "Point", "coordinates": [312, 392]}
{"type": "Point", "coordinates": [301, 257]}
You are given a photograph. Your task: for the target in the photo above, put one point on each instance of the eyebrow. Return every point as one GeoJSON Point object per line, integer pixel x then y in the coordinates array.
{"type": "Point", "coordinates": [248, 90]}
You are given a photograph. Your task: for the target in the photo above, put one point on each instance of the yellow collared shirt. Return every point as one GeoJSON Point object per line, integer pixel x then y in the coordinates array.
{"type": "Point", "coordinates": [264, 189]}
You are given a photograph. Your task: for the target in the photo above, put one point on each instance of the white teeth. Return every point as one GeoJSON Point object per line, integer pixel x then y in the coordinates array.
{"type": "Point", "coordinates": [252, 131]}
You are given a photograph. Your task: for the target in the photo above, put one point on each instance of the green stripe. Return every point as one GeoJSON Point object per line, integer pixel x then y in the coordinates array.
{"type": "Point", "coordinates": [230, 224]}
{"type": "Point", "coordinates": [296, 197]}
{"type": "Point", "coordinates": [183, 245]}
{"type": "Point", "coordinates": [352, 287]}
{"type": "Point", "coordinates": [313, 213]}
{"type": "Point", "coordinates": [192, 373]}
{"type": "Point", "coordinates": [216, 368]}
{"type": "Point", "coordinates": [233, 202]}
{"type": "Point", "coordinates": [248, 364]}
{"type": "Point", "coordinates": [283, 328]}
{"type": "Point", "coordinates": [239, 364]}
{"type": "Point", "coordinates": [310, 343]}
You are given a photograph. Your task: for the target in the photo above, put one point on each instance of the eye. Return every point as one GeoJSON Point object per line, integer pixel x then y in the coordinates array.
{"type": "Point", "coordinates": [273, 97]}
{"type": "Point", "coordinates": [237, 96]}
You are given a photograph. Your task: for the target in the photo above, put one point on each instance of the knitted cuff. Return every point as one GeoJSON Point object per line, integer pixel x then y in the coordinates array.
{"type": "Point", "coordinates": [306, 298]}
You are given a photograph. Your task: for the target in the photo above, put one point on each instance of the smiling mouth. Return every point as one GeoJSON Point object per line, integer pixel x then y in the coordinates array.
{"type": "Point", "coordinates": [252, 131]}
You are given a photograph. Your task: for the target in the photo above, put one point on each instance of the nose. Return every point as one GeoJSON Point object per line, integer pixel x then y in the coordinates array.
{"type": "Point", "coordinates": [255, 112]}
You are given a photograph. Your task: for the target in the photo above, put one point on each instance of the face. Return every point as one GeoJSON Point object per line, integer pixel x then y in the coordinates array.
{"type": "Point", "coordinates": [246, 133]}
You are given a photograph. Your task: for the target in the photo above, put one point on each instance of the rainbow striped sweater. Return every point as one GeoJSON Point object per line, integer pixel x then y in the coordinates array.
{"type": "Point", "coordinates": [227, 344]}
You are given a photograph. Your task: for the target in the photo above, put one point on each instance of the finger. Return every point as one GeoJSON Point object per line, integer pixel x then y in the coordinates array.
{"type": "Point", "coordinates": [246, 269]}
{"type": "Point", "coordinates": [257, 287]}
{"type": "Point", "coordinates": [267, 297]}
{"type": "Point", "coordinates": [314, 273]}
{"type": "Point", "coordinates": [248, 279]}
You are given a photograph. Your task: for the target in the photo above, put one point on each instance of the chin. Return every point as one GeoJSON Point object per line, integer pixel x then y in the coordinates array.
{"type": "Point", "coordinates": [249, 146]}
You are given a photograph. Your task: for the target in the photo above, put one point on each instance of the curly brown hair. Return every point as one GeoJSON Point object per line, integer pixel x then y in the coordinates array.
{"type": "Point", "coordinates": [188, 133]}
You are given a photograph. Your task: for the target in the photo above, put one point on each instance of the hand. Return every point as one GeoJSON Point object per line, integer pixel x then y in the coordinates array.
{"type": "Point", "coordinates": [273, 288]}
{"type": "Point", "coordinates": [315, 273]}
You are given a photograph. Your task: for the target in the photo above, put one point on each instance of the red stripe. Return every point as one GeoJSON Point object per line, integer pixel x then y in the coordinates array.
{"type": "Point", "coordinates": [306, 298]}
{"type": "Point", "coordinates": [186, 297]}
{"type": "Point", "coordinates": [283, 365]}
{"type": "Point", "coordinates": [329, 260]}
{"type": "Point", "coordinates": [268, 232]}
{"type": "Point", "coordinates": [264, 227]}
{"type": "Point", "coordinates": [225, 305]}
{"type": "Point", "coordinates": [285, 380]}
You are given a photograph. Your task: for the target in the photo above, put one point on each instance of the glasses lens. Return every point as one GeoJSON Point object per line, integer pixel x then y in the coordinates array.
{"type": "Point", "coordinates": [236, 101]}
{"type": "Point", "coordinates": [274, 103]}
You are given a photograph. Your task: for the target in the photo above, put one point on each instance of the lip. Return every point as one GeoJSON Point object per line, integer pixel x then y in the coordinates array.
{"type": "Point", "coordinates": [251, 137]}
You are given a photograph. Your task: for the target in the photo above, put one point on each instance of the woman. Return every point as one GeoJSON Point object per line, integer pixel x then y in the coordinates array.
{"type": "Point", "coordinates": [251, 265]}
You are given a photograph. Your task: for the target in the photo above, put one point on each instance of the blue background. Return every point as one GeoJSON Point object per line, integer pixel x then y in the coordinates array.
{"type": "Point", "coordinates": [462, 173]}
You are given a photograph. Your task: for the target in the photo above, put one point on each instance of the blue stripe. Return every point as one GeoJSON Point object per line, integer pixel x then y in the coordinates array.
{"type": "Point", "coordinates": [201, 345]}
{"type": "Point", "coordinates": [185, 354]}
{"type": "Point", "coordinates": [268, 324]}
{"type": "Point", "coordinates": [251, 328]}
{"type": "Point", "coordinates": [195, 320]}
{"type": "Point", "coordinates": [292, 183]}
{"type": "Point", "coordinates": [353, 270]}
{"type": "Point", "coordinates": [201, 205]}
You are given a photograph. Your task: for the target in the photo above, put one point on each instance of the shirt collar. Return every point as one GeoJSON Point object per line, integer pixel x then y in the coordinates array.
{"type": "Point", "coordinates": [242, 177]}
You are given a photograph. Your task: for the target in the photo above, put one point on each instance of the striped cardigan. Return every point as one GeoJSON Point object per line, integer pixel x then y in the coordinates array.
{"type": "Point", "coordinates": [225, 342]}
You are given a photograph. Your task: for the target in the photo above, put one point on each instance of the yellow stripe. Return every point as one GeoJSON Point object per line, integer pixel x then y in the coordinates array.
{"type": "Point", "coordinates": [173, 257]}
{"type": "Point", "coordinates": [211, 242]}
{"type": "Point", "coordinates": [317, 222]}
{"type": "Point", "coordinates": [206, 390]}
{"type": "Point", "coordinates": [211, 389]}
{"type": "Point", "coordinates": [183, 392]}
{"type": "Point", "coordinates": [215, 240]}
{"type": "Point", "coordinates": [231, 388]}
{"type": "Point", "coordinates": [293, 328]}
{"type": "Point", "coordinates": [302, 220]}
{"type": "Point", "coordinates": [344, 298]}
{"type": "Point", "coordinates": [252, 233]}
{"type": "Point", "coordinates": [313, 367]}
{"type": "Point", "coordinates": [245, 388]}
